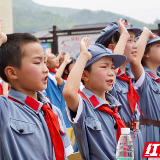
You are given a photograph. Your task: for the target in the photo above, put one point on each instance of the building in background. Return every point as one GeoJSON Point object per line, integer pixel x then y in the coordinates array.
{"type": "Point", "coordinates": [69, 40]}
{"type": "Point", "coordinates": [6, 14]}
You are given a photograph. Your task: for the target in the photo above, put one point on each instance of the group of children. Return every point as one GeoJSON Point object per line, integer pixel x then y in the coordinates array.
{"type": "Point", "coordinates": [113, 96]}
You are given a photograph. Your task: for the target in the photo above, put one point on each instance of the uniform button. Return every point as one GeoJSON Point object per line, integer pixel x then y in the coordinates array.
{"type": "Point", "coordinates": [157, 90]}
{"type": "Point", "coordinates": [115, 126]}
{"type": "Point", "coordinates": [21, 131]}
{"type": "Point", "coordinates": [95, 127]}
{"type": "Point", "coordinates": [121, 91]}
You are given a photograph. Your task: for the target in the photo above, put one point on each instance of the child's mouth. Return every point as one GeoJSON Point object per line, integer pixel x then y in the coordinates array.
{"type": "Point", "coordinates": [45, 79]}
{"type": "Point", "coordinates": [110, 81]}
{"type": "Point", "coordinates": [134, 53]}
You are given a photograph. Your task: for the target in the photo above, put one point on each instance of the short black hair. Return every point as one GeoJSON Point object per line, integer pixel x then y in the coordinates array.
{"type": "Point", "coordinates": [11, 51]}
{"type": "Point", "coordinates": [67, 68]}
{"type": "Point", "coordinates": [147, 50]}
{"type": "Point", "coordinates": [113, 39]}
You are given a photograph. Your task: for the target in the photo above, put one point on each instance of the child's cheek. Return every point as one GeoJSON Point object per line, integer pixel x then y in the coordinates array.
{"type": "Point", "coordinates": [128, 49]}
{"type": "Point", "coordinates": [101, 76]}
{"type": "Point", "coordinates": [35, 73]}
{"type": "Point", "coordinates": [114, 77]}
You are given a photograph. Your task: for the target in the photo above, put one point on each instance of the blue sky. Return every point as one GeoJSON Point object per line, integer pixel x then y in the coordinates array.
{"type": "Point", "coordinates": [143, 10]}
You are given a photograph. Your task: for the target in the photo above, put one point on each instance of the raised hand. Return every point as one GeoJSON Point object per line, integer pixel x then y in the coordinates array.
{"type": "Point", "coordinates": [149, 32]}
{"type": "Point", "coordinates": [122, 29]}
{"type": "Point", "coordinates": [48, 51]}
{"type": "Point", "coordinates": [84, 44]}
{"type": "Point", "coordinates": [60, 55]}
{"type": "Point", "coordinates": [3, 37]}
{"type": "Point", "coordinates": [67, 59]}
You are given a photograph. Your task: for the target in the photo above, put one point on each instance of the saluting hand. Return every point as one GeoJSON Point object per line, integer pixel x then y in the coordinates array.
{"type": "Point", "coordinates": [3, 37]}
{"type": "Point", "coordinates": [122, 29]}
{"type": "Point", "coordinates": [67, 59]}
{"type": "Point", "coordinates": [48, 51]}
{"type": "Point", "coordinates": [84, 44]}
{"type": "Point", "coordinates": [149, 33]}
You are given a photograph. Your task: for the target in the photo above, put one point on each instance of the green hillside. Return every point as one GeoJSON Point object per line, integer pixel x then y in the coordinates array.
{"type": "Point", "coordinates": [29, 17]}
{"type": "Point", "coordinates": [29, 4]}
{"type": "Point", "coordinates": [30, 21]}
{"type": "Point", "coordinates": [89, 17]}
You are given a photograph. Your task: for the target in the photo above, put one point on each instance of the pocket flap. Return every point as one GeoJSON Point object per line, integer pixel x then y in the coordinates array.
{"type": "Point", "coordinates": [122, 90]}
{"type": "Point", "coordinates": [155, 89]}
{"type": "Point", "coordinates": [93, 123]}
{"type": "Point", "coordinates": [22, 127]}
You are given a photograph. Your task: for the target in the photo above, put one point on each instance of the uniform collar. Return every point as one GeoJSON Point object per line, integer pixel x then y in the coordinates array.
{"type": "Point", "coordinates": [53, 71]}
{"type": "Point", "coordinates": [127, 72]}
{"type": "Point", "coordinates": [152, 74]}
{"type": "Point", "coordinates": [28, 101]}
{"type": "Point", "coordinates": [97, 102]}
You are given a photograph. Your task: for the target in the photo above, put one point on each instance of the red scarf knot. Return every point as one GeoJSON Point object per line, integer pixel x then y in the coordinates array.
{"type": "Point", "coordinates": [133, 97]}
{"type": "Point", "coordinates": [107, 109]}
{"type": "Point", "coordinates": [54, 130]}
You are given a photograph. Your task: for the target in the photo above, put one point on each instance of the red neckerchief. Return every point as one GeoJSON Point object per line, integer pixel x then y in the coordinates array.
{"type": "Point", "coordinates": [157, 79]}
{"type": "Point", "coordinates": [52, 71]}
{"type": "Point", "coordinates": [52, 123]}
{"type": "Point", "coordinates": [107, 109]}
{"type": "Point", "coordinates": [133, 97]}
{"type": "Point", "coordinates": [65, 78]}
{"type": "Point", "coordinates": [1, 90]}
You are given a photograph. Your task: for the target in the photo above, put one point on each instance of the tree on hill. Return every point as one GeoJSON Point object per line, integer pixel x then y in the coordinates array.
{"type": "Point", "coordinates": [29, 17]}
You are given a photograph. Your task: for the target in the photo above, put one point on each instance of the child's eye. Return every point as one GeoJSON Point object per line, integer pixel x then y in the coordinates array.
{"type": "Point", "coordinates": [103, 66]}
{"type": "Point", "coordinates": [37, 63]}
{"type": "Point", "coordinates": [112, 67]}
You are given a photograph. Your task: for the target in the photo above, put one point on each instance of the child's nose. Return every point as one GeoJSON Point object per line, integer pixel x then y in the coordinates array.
{"type": "Point", "coordinates": [135, 46]}
{"type": "Point", "coordinates": [45, 69]}
{"type": "Point", "coordinates": [111, 72]}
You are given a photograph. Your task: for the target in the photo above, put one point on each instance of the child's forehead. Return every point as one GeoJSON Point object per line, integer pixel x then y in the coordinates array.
{"type": "Point", "coordinates": [31, 48]}
{"type": "Point", "coordinates": [131, 33]}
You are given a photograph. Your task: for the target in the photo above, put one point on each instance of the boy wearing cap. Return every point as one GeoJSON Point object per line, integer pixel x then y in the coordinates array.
{"type": "Point", "coordinates": [93, 113]}
{"type": "Point", "coordinates": [149, 90]}
{"type": "Point", "coordinates": [126, 81]}
{"type": "Point", "coordinates": [30, 126]}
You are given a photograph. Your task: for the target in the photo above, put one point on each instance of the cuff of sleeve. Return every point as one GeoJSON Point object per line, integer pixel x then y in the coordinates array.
{"type": "Point", "coordinates": [79, 111]}
{"type": "Point", "coordinates": [140, 80]}
{"type": "Point", "coordinates": [68, 150]}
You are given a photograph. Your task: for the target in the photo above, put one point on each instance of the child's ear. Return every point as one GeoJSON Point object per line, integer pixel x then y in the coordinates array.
{"type": "Point", "coordinates": [147, 56]}
{"type": "Point", "coordinates": [112, 46]}
{"type": "Point", "coordinates": [85, 76]}
{"type": "Point", "coordinates": [10, 72]}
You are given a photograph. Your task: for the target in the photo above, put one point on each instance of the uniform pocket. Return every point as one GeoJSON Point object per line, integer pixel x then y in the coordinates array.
{"type": "Point", "coordinates": [22, 127]}
{"type": "Point", "coordinates": [122, 90]}
{"type": "Point", "coordinates": [93, 124]}
{"type": "Point", "coordinates": [156, 89]}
